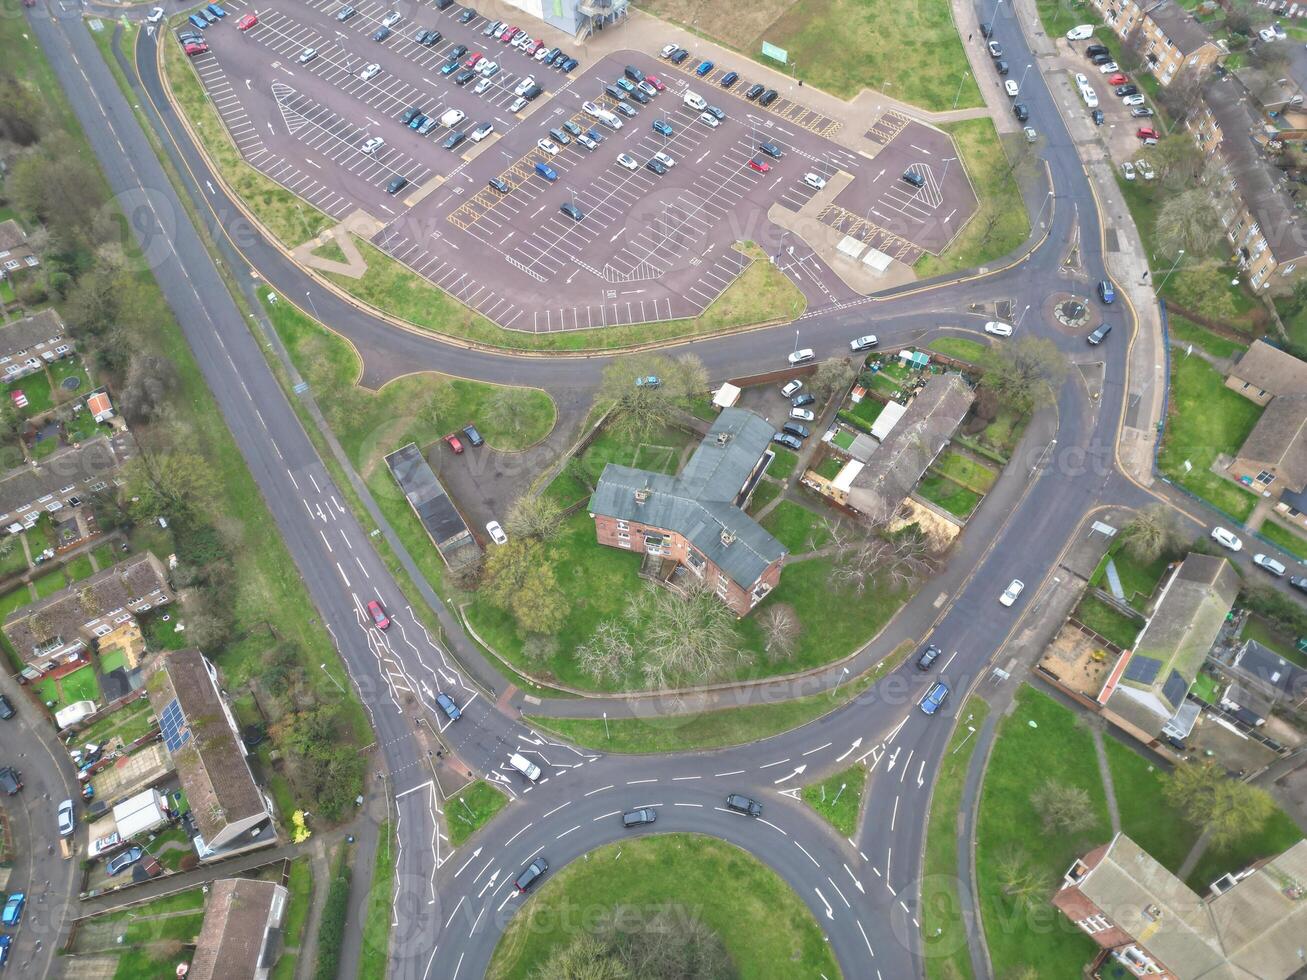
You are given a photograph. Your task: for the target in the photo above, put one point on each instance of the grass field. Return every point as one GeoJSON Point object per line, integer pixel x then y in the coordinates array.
{"type": "Point", "coordinates": [1205, 419]}
{"type": "Point", "coordinates": [1138, 579]}
{"type": "Point", "coordinates": [1290, 541]}
{"type": "Point", "coordinates": [1000, 224]}
{"type": "Point", "coordinates": [960, 347]}
{"type": "Point", "coordinates": [471, 807]}
{"type": "Point", "coordinates": [943, 932]}
{"type": "Point", "coordinates": [796, 527]}
{"type": "Point", "coordinates": [839, 798]}
{"type": "Point", "coordinates": [953, 497]}
{"type": "Point", "coordinates": [1188, 332]}
{"type": "Point", "coordinates": [782, 464]}
{"type": "Point", "coordinates": [766, 929]}
{"type": "Point", "coordinates": [376, 925]}
{"type": "Point", "coordinates": [1107, 621]}
{"type": "Point", "coordinates": [967, 471]}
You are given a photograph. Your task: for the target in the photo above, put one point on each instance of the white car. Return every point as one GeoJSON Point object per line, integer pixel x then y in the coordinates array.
{"type": "Point", "coordinates": [799, 356]}
{"type": "Point", "coordinates": [498, 32]}
{"type": "Point", "coordinates": [307, 55]}
{"type": "Point", "coordinates": [369, 71]}
{"type": "Point", "coordinates": [1090, 96]}
{"type": "Point", "coordinates": [802, 415]}
{"type": "Point", "coordinates": [1010, 87]}
{"type": "Point", "coordinates": [1269, 564]}
{"type": "Point", "coordinates": [668, 49]}
{"type": "Point", "coordinates": [1010, 594]}
{"type": "Point", "coordinates": [540, 55]}
{"type": "Point", "coordinates": [1266, 34]}
{"type": "Point", "coordinates": [549, 146]}
{"type": "Point", "coordinates": [67, 819]}
{"type": "Point", "coordinates": [1032, 136]}
{"type": "Point", "coordinates": [1081, 80]}
{"type": "Point", "coordinates": [665, 159]}
{"type": "Point", "coordinates": [391, 19]}
{"type": "Point", "coordinates": [791, 388]}
{"type": "Point", "coordinates": [865, 342]}
{"type": "Point", "coordinates": [591, 110]}
{"type": "Point", "coordinates": [518, 105]}
{"type": "Point", "coordinates": [1108, 67]}
{"type": "Point", "coordinates": [998, 328]}
{"type": "Point", "coordinates": [487, 68]}
{"type": "Point", "coordinates": [521, 41]}
{"type": "Point", "coordinates": [648, 90]}
{"type": "Point", "coordinates": [373, 144]}
{"type": "Point", "coordinates": [709, 120]}
{"type": "Point", "coordinates": [1145, 169]}
{"type": "Point", "coordinates": [452, 118]}
{"type": "Point", "coordinates": [1226, 539]}
{"type": "Point", "coordinates": [525, 85]}
{"type": "Point", "coordinates": [1128, 170]}
{"type": "Point", "coordinates": [815, 181]}
{"type": "Point", "coordinates": [1132, 100]}
{"type": "Point", "coordinates": [156, 15]}
{"type": "Point", "coordinates": [496, 533]}
{"type": "Point", "coordinates": [481, 132]}
{"type": "Point", "coordinates": [627, 161]}
{"type": "Point", "coordinates": [1082, 32]}
{"type": "Point", "coordinates": [482, 86]}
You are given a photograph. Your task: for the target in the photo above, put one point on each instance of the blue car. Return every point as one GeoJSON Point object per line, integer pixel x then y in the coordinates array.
{"type": "Point", "coordinates": [730, 78]}
{"type": "Point", "coordinates": [198, 21]}
{"type": "Point", "coordinates": [1105, 291]}
{"type": "Point", "coordinates": [417, 121]}
{"type": "Point", "coordinates": [546, 171]}
{"type": "Point", "coordinates": [449, 67]}
{"type": "Point", "coordinates": [13, 913]}
{"type": "Point", "coordinates": [934, 698]}
{"type": "Point", "coordinates": [662, 128]}
{"type": "Point", "coordinates": [4, 949]}
{"type": "Point", "coordinates": [216, 10]}
{"type": "Point", "coordinates": [704, 68]}
{"type": "Point", "coordinates": [448, 706]}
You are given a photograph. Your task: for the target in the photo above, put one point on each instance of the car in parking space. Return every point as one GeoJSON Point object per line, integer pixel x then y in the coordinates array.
{"type": "Point", "coordinates": [794, 429]}
{"type": "Point", "coordinates": [467, 15]}
{"type": "Point", "coordinates": [666, 159]}
{"type": "Point", "coordinates": [482, 86]}
{"type": "Point", "coordinates": [1010, 87]}
{"type": "Point", "coordinates": [369, 72]}
{"type": "Point", "coordinates": [655, 167]}
{"type": "Point", "coordinates": [815, 181]}
{"type": "Point", "coordinates": [729, 79]}
{"type": "Point", "coordinates": [378, 614]}
{"type": "Point", "coordinates": [1109, 68]}
{"type": "Point", "coordinates": [928, 657]}
{"type": "Point", "coordinates": [13, 913]}
{"type": "Point", "coordinates": [496, 532]}
{"type": "Point", "coordinates": [1031, 135]}
{"type": "Point", "coordinates": [998, 328]}
{"type": "Point", "coordinates": [1012, 592]}
{"type": "Point", "coordinates": [450, 66]}
{"type": "Point", "coordinates": [491, 27]}
{"type": "Point", "coordinates": [1098, 117]}
{"type": "Point", "coordinates": [627, 161]}
{"type": "Point", "coordinates": [488, 69]}
{"type": "Point", "coordinates": [524, 85]}
{"type": "Point", "coordinates": [679, 55]}
{"type": "Point", "coordinates": [546, 171]}
{"type": "Point", "coordinates": [558, 60]}
{"type": "Point", "coordinates": [417, 122]}
{"type": "Point", "coordinates": [803, 414]}
{"type": "Point", "coordinates": [446, 704]}
{"type": "Point", "coordinates": [194, 47]}
{"type": "Point", "coordinates": [396, 185]}
{"type": "Point", "coordinates": [754, 91]}
{"type": "Point", "coordinates": [345, 13]}
{"type": "Point", "coordinates": [806, 398]}
{"type": "Point", "coordinates": [568, 65]}
{"type": "Point", "coordinates": [912, 177]}
{"type": "Point", "coordinates": [585, 140]}
{"type": "Point", "coordinates": [1082, 32]}
{"type": "Point", "coordinates": [1098, 335]}
{"type": "Point", "coordinates": [6, 708]}
{"type": "Point", "coordinates": [212, 18]}
{"type": "Point", "coordinates": [67, 818]}
{"type": "Point", "coordinates": [409, 114]}
{"type": "Point", "coordinates": [1268, 564]}
{"type": "Point", "coordinates": [662, 128]}
{"type": "Point", "coordinates": [790, 387]}
{"type": "Point", "coordinates": [473, 59]}
{"type": "Point", "coordinates": [761, 166]}
{"type": "Point", "coordinates": [625, 84]}
{"type": "Point", "coordinates": [703, 68]}
{"type": "Point", "coordinates": [717, 114]}
{"type": "Point", "coordinates": [508, 35]}
{"type": "Point", "coordinates": [1145, 169]}
{"type": "Point", "coordinates": [1020, 111]}
{"type": "Point", "coordinates": [123, 861]}
{"type": "Point", "coordinates": [427, 38]}
{"type": "Point", "coordinates": [667, 50]}
{"type": "Point", "coordinates": [381, 33]}
{"type": "Point", "coordinates": [633, 73]}
{"type": "Point", "coordinates": [1299, 583]}
{"type": "Point", "coordinates": [530, 50]}
{"type": "Point", "coordinates": [559, 137]}
{"type": "Point", "coordinates": [548, 146]}
{"type": "Point", "coordinates": [1096, 48]}
{"type": "Point", "coordinates": [481, 131]}
{"type": "Point", "coordinates": [1141, 112]}
{"type": "Point", "coordinates": [570, 127]}
{"type": "Point", "coordinates": [1118, 79]}
{"type": "Point", "coordinates": [1133, 101]}
{"type": "Point", "coordinates": [865, 342]}
{"type": "Point", "coordinates": [244, 24]}
{"type": "Point", "coordinates": [454, 140]}
{"type": "Point", "coordinates": [1106, 291]}
{"type": "Point", "coordinates": [613, 92]}
{"type": "Point", "coordinates": [465, 76]}
{"type": "Point", "coordinates": [529, 875]}
{"type": "Point", "coordinates": [995, 49]}
{"type": "Point", "coordinates": [1146, 133]}
{"type": "Point", "coordinates": [639, 97]}
{"type": "Point", "coordinates": [372, 144]}
{"type": "Point", "coordinates": [571, 210]}
{"type": "Point", "coordinates": [497, 184]}
{"type": "Point", "coordinates": [391, 19]}
{"type": "Point", "coordinates": [542, 53]}
{"type": "Point", "coordinates": [473, 435]}
{"type": "Point", "coordinates": [647, 88]}
{"type": "Point", "coordinates": [1128, 170]}
{"type": "Point", "coordinates": [709, 120]}
{"type": "Point", "coordinates": [307, 55]}
{"type": "Point", "coordinates": [498, 32]}
{"type": "Point", "coordinates": [768, 97]}
{"type": "Point", "coordinates": [11, 780]}
{"type": "Point", "coordinates": [1129, 89]}
{"type": "Point", "coordinates": [934, 698]}
{"type": "Point", "coordinates": [743, 804]}
{"type": "Point", "coordinates": [1226, 539]}
{"type": "Point", "coordinates": [787, 440]}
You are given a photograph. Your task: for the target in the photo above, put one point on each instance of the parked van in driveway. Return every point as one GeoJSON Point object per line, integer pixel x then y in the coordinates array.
{"type": "Point", "coordinates": [525, 766]}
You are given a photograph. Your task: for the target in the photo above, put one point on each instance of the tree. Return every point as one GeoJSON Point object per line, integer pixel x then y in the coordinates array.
{"type": "Point", "coordinates": [535, 516]}
{"type": "Point", "coordinates": [609, 653]}
{"type": "Point", "coordinates": [1178, 161]}
{"type": "Point", "coordinates": [832, 377]}
{"type": "Point", "coordinates": [539, 647]}
{"type": "Point", "coordinates": [11, 420]}
{"type": "Point", "coordinates": [1019, 880]}
{"type": "Point", "coordinates": [686, 636]}
{"type": "Point", "coordinates": [879, 560]}
{"type": "Point", "coordinates": [1186, 221]}
{"type": "Point", "coordinates": [669, 943]}
{"type": "Point", "coordinates": [22, 116]}
{"type": "Point", "coordinates": [1025, 372]}
{"type": "Point", "coordinates": [59, 186]}
{"type": "Point", "coordinates": [520, 580]}
{"type": "Point", "coordinates": [1064, 809]}
{"type": "Point", "coordinates": [1226, 809]}
{"type": "Point", "coordinates": [641, 409]}
{"type": "Point", "coordinates": [585, 957]}
{"type": "Point", "coordinates": [439, 409]}
{"type": "Point", "coordinates": [1153, 533]}
{"type": "Point", "coordinates": [164, 484]}
{"type": "Point", "coordinates": [150, 378]}
{"type": "Point", "coordinates": [503, 411]}
{"type": "Point", "coordinates": [1238, 21]}
{"type": "Point", "coordinates": [781, 628]}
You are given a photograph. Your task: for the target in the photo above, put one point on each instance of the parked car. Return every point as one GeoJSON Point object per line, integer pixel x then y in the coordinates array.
{"type": "Point", "coordinates": [1098, 117]}
{"type": "Point", "coordinates": [6, 940]}
{"type": "Point", "coordinates": [1020, 110]}
{"type": "Point", "coordinates": [396, 185]}
{"type": "Point", "coordinates": [787, 440]}
{"type": "Point", "coordinates": [799, 356]}
{"type": "Point", "coordinates": [67, 818]}
{"type": "Point", "coordinates": [998, 328]}
{"type": "Point", "coordinates": [768, 97]}
{"type": "Point", "coordinates": [1012, 592]}
{"type": "Point", "coordinates": [995, 49]}
{"type": "Point", "coordinates": [655, 166]}
{"type": "Point", "coordinates": [13, 913]}
{"type": "Point", "coordinates": [123, 861]}
{"type": "Point", "coordinates": [1108, 68]}
{"type": "Point", "coordinates": [815, 181]}
{"type": "Point", "coordinates": [11, 780]}
{"type": "Point", "coordinates": [571, 210]}
{"type": "Point", "coordinates": [381, 33]}
{"type": "Point", "coordinates": [6, 708]}
{"type": "Point", "coordinates": [546, 171]}
{"type": "Point", "coordinates": [627, 161]}
{"type": "Point", "coordinates": [928, 657]}
{"type": "Point", "coordinates": [548, 145]}
{"type": "Point", "coordinates": [790, 387]}
{"type": "Point", "coordinates": [1299, 583]}
{"type": "Point", "coordinates": [372, 144]}
{"type": "Point", "coordinates": [703, 68]}
{"type": "Point", "coordinates": [760, 166]}
{"type": "Point", "coordinates": [1146, 133]}
{"type": "Point", "coordinates": [532, 873]}
{"type": "Point", "coordinates": [1118, 79]}
{"type": "Point", "coordinates": [729, 79]}
{"type": "Point", "coordinates": [1226, 539]}
{"type": "Point", "coordinates": [1010, 87]}
{"type": "Point", "coordinates": [865, 342]}
{"type": "Point", "coordinates": [345, 13]}
{"type": "Point", "coordinates": [447, 705]}
{"type": "Point", "coordinates": [378, 613]}
{"type": "Point", "coordinates": [495, 183]}
{"type": "Point", "coordinates": [1133, 101]}
{"type": "Point", "coordinates": [369, 72]}
{"type": "Point", "coordinates": [244, 24]}
{"type": "Point", "coordinates": [742, 804]}
{"type": "Point", "coordinates": [454, 443]}
{"type": "Point", "coordinates": [794, 429]}
{"type": "Point", "coordinates": [754, 91]}
{"type": "Point", "coordinates": [473, 436]}
{"type": "Point", "coordinates": [307, 55]}
{"type": "Point", "coordinates": [1268, 564]}
{"type": "Point", "coordinates": [1082, 32]}
{"type": "Point", "coordinates": [1141, 112]}
{"type": "Point", "coordinates": [709, 120]}
{"type": "Point", "coordinates": [800, 400]}
{"type": "Point", "coordinates": [496, 532]}
{"type": "Point", "coordinates": [636, 818]}
{"type": "Point", "coordinates": [662, 128]}
{"type": "Point", "coordinates": [1128, 170]}
{"type": "Point", "coordinates": [803, 414]}
{"type": "Point", "coordinates": [934, 698]}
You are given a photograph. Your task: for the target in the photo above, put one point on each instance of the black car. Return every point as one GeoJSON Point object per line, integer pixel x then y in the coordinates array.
{"type": "Point", "coordinates": [453, 140]}
{"type": "Point", "coordinates": [1097, 116]}
{"type": "Point", "coordinates": [928, 657]}
{"type": "Point", "coordinates": [742, 804]}
{"type": "Point", "coordinates": [754, 92]}
{"type": "Point", "coordinates": [1299, 583]}
{"type": "Point", "coordinates": [800, 400]}
{"type": "Point", "coordinates": [381, 34]}
{"type": "Point", "coordinates": [638, 96]}
{"type": "Point", "coordinates": [1099, 335]}
{"type": "Point", "coordinates": [771, 149]}
{"type": "Point", "coordinates": [499, 185]}
{"type": "Point", "coordinates": [730, 78]}
{"type": "Point", "coordinates": [914, 178]}
{"type": "Point", "coordinates": [6, 709]}
{"type": "Point", "coordinates": [466, 15]}
{"type": "Point", "coordinates": [532, 873]}
{"type": "Point", "coordinates": [768, 97]}
{"type": "Point", "coordinates": [634, 74]}
{"type": "Point", "coordinates": [1095, 49]}
{"type": "Point", "coordinates": [409, 114]}
{"type": "Point", "coordinates": [1124, 90]}
{"type": "Point", "coordinates": [456, 52]}
{"type": "Point", "coordinates": [473, 436]}
{"type": "Point", "coordinates": [11, 780]}
{"type": "Point", "coordinates": [679, 55]}
{"type": "Point", "coordinates": [1101, 59]}
{"type": "Point", "coordinates": [615, 92]}
{"type": "Point", "coordinates": [430, 38]}
{"type": "Point", "coordinates": [794, 429]}
{"type": "Point", "coordinates": [396, 185]}
{"type": "Point", "coordinates": [986, 31]}
{"type": "Point", "coordinates": [465, 76]}
{"type": "Point", "coordinates": [1020, 111]}
{"type": "Point", "coordinates": [656, 166]}
{"type": "Point", "coordinates": [634, 818]}
{"type": "Point", "coordinates": [571, 210]}
{"type": "Point", "coordinates": [1001, 67]}
{"type": "Point", "coordinates": [787, 440]}
{"type": "Point", "coordinates": [532, 93]}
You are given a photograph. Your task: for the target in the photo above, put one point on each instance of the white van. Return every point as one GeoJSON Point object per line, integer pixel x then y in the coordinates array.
{"type": "Point", "coordinates": [608, 119]}
{"type": "Point", "coordinates": [695, 102]}
{"type": "Point", "coordinates": [452, 118]}
{"type": "Point", "coordinates": [525, 766]}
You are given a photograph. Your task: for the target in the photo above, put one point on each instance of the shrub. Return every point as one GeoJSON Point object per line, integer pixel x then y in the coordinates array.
{"type": "Point", "coordinates": [331, 929]}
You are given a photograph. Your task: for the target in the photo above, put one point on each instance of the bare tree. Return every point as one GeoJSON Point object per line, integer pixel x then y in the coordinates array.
{"type": "Point", "coordinates": [686, 636]}
{"type": "Point", "coordinates": [535, 516]}
{"type": "Point", "coordinates": [1026, 372]}
{"type": "Point", "coordinates": [832, 377]}
{"type": "Point", "coordinates": [1064, 809]}
{"type": "Point", "coordinates": [781, 628]}
{"type": "Point", "coordinates": [1187, 221]}
{"type": "Point", "coordinates": [1020, 881]}
{"type": "Point", "coordinates": [609, 653]}
{"type": "Point", "coordinates": [1153, 533]}
{"type": "Point", "coordinates": [882, 560]}
{"type": "Point", "coordinates": [503, 412]}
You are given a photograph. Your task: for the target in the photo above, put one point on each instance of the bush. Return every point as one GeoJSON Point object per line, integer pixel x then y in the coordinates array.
{"type": "Point", "coordinates": [848, 418]}
{"type": "Point", "coordinates": [1280, 609]}
{"type": "Point", "coordinates": [331, 929]}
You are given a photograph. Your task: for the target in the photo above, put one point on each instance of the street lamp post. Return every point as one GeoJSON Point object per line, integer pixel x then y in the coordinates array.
{"type": "Point", "coordinates": [947, 161]}
{"type": "Point", "coordinates": [1022, 84]}
{"type": "Point", "coordinates": [796, 341]}
{"type": "Point", "coordinates": [333, 680]}
{"type": "Point", "coordinates": [312, 305]}
{"type": "Point", "coordinates": [1023, 315]}
{"type": "Point", "coordinates": [994, 15]}
{"type": "Point", "coordinates": [1040, 219]}
{"type": "Point", "coordinates": [843, 674]}
{"type": "Point", "coordinates": [1178, 257]}
{"type": "Point", "coordinates": [961, 81]}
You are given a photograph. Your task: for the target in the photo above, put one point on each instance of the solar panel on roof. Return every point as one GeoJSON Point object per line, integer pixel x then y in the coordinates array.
{"type": "Point", "coordinates": [171, 723]}
{"type": "Point", "coordinates": [1175, 688]}
{"type": "Point", "coordinates": [1142, 670]}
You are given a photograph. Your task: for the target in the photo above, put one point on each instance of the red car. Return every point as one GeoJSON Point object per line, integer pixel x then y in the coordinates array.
{"type": "Point", "coordinates": [246, 22]}
{"type": "Point", "coordinates": [759, 165]}
{"type": "Point", "coordinates": [533, 47]}
{"type": "Point", "coordinates": [194, 49]}
{"type": "Point", "coordinates": [1146, 133]}
{"type": "Point", "coordinates": [454, 443]}
{"type": "Point", "coordinates": [378, 615]}
{"type": "Point", "coordinates": [1117, 79]}
{"type": "Point", "coordinates": [508, 35]}
{"type": "Point", "coordinates": [653, 80]}
{"type": "Point", "coordinates": [473, 59]}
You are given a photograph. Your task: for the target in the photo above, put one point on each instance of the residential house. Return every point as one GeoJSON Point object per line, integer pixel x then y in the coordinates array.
{"type": "Point", "coordinates": [918, 435]}
{"type": "Point", "coordinates": [203, 739]}
{"type": "Point", "coordinates": [240, 937]}
{"type": "Point", "coordinates": [1265, 371]}
{"type": "Point", "coordinates": [1171, 41]}
{"type": "Point", "coordinates": [99, 612]}
{"type": "Point", "coordinates": [16, 254]}
{"type": "Point", "coordinates": [694, 520]}
{"type": "Point", "coordinates": [1146, 921]}
{"type": "Point", "coordinates": [28, 344]}
{"type": "Point", "coordinates": [1267, 673]}
{"type": "Point", "coordinates": [63, 479]}
{"type": "Point", "coordinates": [1260, 217]}
{"type": "Point", "coordinates": [99, 405]}
{"type": "Point", "coordinates": [1145, 693]}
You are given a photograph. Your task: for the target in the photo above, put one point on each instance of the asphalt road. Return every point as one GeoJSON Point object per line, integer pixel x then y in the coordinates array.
{"type": "Point", "coordinates": [450, 906]}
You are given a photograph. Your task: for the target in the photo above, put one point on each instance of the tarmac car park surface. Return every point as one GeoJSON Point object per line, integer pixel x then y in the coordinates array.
{"type": "Point", "coordinates": [648, 247]}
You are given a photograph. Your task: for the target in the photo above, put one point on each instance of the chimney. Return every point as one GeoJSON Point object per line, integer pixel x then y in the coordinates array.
{"type": "Point", "coordinates": [642, 495]}
{"type": "Point", "coordinates": [722, 439]}
{"type": "Point", "coordinates": [727, 538]}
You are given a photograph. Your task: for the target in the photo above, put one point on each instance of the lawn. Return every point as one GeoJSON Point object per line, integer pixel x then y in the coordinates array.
{"type": "Point", "coordinates": [1205, 686]}
{"type": "Point", "coordinates": [796, 527]}
{"type": "Point", "coordinates": [146, 937]}
{"type": "Point", "coordinates": [942, 930]}
{"type": "Point", "coordinates": [471, 807]}
{"type": "Point", "coordinates": [1059, 16]}
{"type": "Point", "coordinates": [1009, 831]}
{"type": "Point", "coordinates": [782, 464]}
{"type": "Point", "coordinates": [1138, 579]}
{"type": "Point", "coordinates": [839, 798]}
{"type": "Point", "coordinates": [297, 910]}
{"type": "Point", "coordinates": [63, 369]}
{"type": "Point", "coordinates": [377, 915]}
{"type": "Point", "coordinates": [1187, 332]}
{"type": "Point", "coordinates": [49, 583]}
{"type": "Point", "coordinates": [104, 555]}
{"type": "Point", "coordinates": [1278, 834]}
{"type": "Point", "coordinates": [128, 723]}
{"type": "Point", "coordinates": [1205, 419]}
{"type": "Point", "coordinates": [14, 562]}
{"type": "Point", "coordinates": [160, 635]}
{"type": "Point", "coordinates": [37, 389]}
{"type": "Point", "coordinates": [1145, 815]}
{"type": "Point", "coordinates": [1284, 539]}
{"type": "Point", "coordinates": [660, 451]}
{"type": "Point", "coordinates": [78, 569]}
{"type": "Point", "coordinates": [844, 439]}
{"type": "Point", "coordinates": [765, 927]}
{"type": "Point", "coordinates": [1000, 224]}
{"type": "Point", "coordinates": [712, 729]}
{"type": "Point", "coordinates": [961, 348]}
{"type": "Point", "coordinates": [115, 659]}
{"type": "Point", "coordinates": [1107, 621]}
{"type": "Point", "coordinates": [868, 410]}
{"type": "Point", "coordinates": [953, 497]}
{"type": "Point", "coordinates": [965, 470]}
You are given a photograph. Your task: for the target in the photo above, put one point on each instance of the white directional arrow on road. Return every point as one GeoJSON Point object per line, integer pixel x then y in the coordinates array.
{"type": "Point", "coordinates": [797, 772]}
{"type": "Point", "coordinates": [892, 760]}
{"type": "Point", "coordinates": [467, 862]}
{"type": "Point", "coordinates": [856, 882]}
{"type": "Point", "coordinates": [488, 884]}
{"type": "Point", "coordinates": [830, 912]}
{"type": "Point", "coordinates": [850, 750]}
{"type": "Point", "coordinates": [921, 775]}
{"type": "Point", "coordinates": [792, 793]}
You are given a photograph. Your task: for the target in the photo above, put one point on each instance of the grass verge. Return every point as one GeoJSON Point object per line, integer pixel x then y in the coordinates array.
{"type": "Point", "coordinates": [376, 925]}
{"type": "Point", "coordinates": [839, 798]}
{"type": "Point", "coordinates": [471, 807]}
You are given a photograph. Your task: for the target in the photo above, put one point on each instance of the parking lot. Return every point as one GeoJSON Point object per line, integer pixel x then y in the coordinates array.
{"type": "Point", "coordinates": [331, 126]}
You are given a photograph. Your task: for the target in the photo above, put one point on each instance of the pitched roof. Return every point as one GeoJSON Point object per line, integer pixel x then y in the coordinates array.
{"type": "Point", "coordinates": [63, 615]}
{"type": "Point", "coordinates": [210, 761]}
{"type": "Point", "coordinates": [900, 460]}
{"type": "Point", "coordinates": [427, 496]}
{"type": "Point", "coordinates": [701, 503]}
{"type": "Point", "coordinates": [1177, 638]}
{"type": "Point", "coordinates": [64, 471]}
{"type": "Point", "coordinates": [1270, 669]}
{"type": "Point", "coordinates": [1262, 918]}
{"type": "Point", "coordinates": [11, 235]}
{"type": "Point", "coordinates": [1279, 439]}
{"type": "Point", "coordinates": [1272, 370]}
{"type": "Point", "coordinates": [24, 334]}
{"type": "Point", "coordinates": [1180, 26]}
{"type": "Point", "coordinates": [233, 942]}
